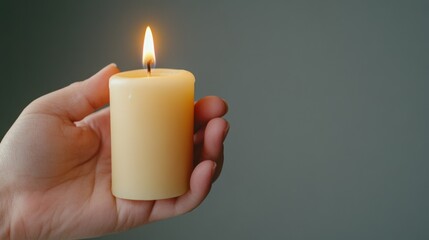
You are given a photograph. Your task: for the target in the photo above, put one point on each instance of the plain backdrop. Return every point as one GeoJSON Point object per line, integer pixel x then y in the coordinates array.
{"type": "Point", "coordinates": [328, 104]}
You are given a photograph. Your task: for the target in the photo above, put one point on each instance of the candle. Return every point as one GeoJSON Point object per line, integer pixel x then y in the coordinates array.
{"type": "Point", "coordinates": [152, 114]}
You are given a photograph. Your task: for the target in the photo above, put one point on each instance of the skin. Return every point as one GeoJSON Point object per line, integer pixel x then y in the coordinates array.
{"type": "Point", "coordinates": [55, 172]}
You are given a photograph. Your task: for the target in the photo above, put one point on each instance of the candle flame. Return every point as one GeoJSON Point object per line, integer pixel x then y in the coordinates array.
{"type": "Point", "coordinates": [148, 59]}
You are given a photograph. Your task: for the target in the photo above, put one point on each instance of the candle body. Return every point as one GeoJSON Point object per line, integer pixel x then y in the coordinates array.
{"type": "Point", "coordinates": [151, 133]}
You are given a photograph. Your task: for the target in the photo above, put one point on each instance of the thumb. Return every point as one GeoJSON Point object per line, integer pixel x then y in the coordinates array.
{"type": "Point", "coordinates": [77, 100]}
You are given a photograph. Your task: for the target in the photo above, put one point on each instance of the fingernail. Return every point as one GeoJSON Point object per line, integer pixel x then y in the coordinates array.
{"type": "Point", "coordinates": [113, 65]}
{"type": "Point", "coordinates": [79, 124]}
{"type": "Point", "coordinates": [214, 168]}
{"type": "Point", "coordinates": [225, 132]}
{"type": "Point", "coordinates": [226, 104]}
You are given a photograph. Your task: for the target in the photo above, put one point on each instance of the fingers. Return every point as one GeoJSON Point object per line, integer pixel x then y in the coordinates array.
{"type": "Point", "coordinates": [200, 187]}
{"type": "Point", "coordinates": [214, 135]}
{"type": "Point", "coordinates": [78, 100]}
{"type": "Point", "coordinates": [208, 108]}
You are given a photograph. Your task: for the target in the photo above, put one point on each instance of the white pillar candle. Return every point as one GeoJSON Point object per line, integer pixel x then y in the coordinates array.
{"type": "Point", "coordinates": [152, 121]}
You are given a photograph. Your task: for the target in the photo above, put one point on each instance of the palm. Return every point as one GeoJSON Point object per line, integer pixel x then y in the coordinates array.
{"type": "Point", "coordinates": [66, 183]}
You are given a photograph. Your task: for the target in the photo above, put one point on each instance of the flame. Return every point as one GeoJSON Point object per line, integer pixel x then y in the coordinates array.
{"type": "Point", "coordinates": [148, 59]}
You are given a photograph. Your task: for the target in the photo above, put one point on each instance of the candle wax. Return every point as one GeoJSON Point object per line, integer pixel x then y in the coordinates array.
{"type": "Point", "coordinates": [151, 133]}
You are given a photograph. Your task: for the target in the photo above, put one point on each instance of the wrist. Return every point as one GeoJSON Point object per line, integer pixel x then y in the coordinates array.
{"type": "Point", "coordinates": [5, 206]}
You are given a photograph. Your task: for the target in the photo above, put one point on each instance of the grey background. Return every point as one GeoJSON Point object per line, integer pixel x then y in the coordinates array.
{"type": "Point", "coordinates": [328, 104]}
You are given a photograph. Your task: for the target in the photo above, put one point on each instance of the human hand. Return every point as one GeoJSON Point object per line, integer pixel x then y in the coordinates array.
{"type": "Point", "coordinates": [55, 169]}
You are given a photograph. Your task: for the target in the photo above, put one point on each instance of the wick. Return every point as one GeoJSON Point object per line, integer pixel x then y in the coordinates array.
{"type": "Point", "coordinates": [148, 67]}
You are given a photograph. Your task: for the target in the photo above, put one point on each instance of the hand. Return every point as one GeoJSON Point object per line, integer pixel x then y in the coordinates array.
{"type": "Point", "coordinates": [55, 173]}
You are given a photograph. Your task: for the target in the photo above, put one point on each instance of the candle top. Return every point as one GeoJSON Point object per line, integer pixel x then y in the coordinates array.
{"type": "Point", "coordinates": [158, 75]}
{"type": "Point", "coordinates": [157, 72]}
